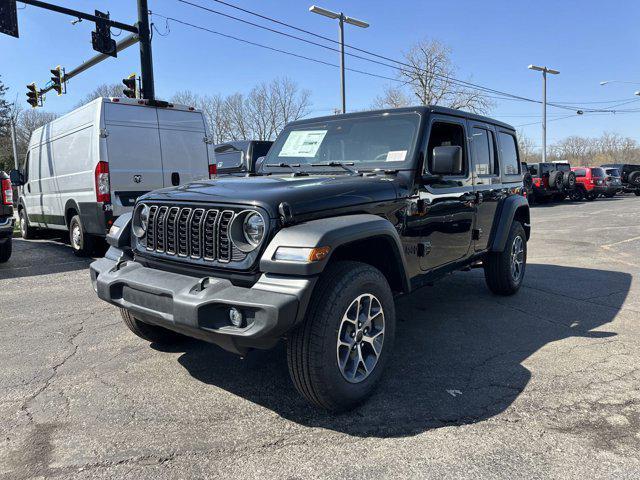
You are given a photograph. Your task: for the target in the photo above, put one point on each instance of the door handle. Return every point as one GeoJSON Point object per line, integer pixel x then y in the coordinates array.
{"type": "Point", "coordinates": [29, 187]}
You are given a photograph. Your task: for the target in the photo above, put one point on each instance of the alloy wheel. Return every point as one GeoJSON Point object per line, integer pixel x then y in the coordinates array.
{"type": "Point", "coordinates": [517, 258]}
{"type": "Point", "coordinates": [360, 338]}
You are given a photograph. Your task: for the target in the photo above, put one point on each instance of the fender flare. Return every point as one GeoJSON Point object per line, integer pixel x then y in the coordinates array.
{"type": "Point", "coordinates": [503, 220]}
{"type": "Point", "coordinates": [71, 204]}
{"type": "Point", "coordinates": [333, 232]}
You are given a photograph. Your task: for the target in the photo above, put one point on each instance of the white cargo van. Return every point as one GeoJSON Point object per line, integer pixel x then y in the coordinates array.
{"type": "Point", "coordinates": [87, 167]}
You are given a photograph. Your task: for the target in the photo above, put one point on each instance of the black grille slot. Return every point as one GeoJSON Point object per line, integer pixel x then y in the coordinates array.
{"type": "Point", "coordinates": [195, 233]}
{"type": "Point", "coordinates": [224, 243]}
{"type": "Point", "coordinates": [170, 223]}
{"type": "Point", "coordinates": [209, 241]}
{"type": "Point", "coordinates": [183, 232]}
{"type": "Point", "coordinates": [160, 229]}
{"type": "Point", "coordinates": [151, 228]}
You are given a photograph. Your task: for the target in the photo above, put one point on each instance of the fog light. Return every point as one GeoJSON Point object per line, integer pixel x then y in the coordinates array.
{"type": "Point", "coordinates": [235, 317]}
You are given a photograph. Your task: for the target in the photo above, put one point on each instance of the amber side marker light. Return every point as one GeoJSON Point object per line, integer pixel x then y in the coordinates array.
{"type": "Point", "coordinates": [301, 254]}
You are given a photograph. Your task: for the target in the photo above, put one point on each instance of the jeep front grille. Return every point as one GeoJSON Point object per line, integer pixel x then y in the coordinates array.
{"type": "Point", "coordinates": [195, 233]}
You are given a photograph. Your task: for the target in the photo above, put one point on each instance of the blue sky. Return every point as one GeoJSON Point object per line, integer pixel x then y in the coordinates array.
{"type": "Point", "coordinates": [492, 44]}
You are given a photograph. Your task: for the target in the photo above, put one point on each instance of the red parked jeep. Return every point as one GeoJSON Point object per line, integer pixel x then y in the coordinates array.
{"type": "Point", "coordinates": [590, 183]}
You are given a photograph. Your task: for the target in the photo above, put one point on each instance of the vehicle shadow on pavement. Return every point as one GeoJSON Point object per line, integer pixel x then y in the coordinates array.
{"type": "Point", "coordinates": [458, 353]}
{"type": "Point", "coordinates": [44, 256]}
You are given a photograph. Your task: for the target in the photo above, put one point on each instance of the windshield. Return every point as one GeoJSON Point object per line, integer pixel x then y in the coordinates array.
{"type": "Point", "coordinates": [597, 172]}
{"type": "Point", "coordinates": [377, 141]}
{"type": "Point", "coordinates": [563, 167]}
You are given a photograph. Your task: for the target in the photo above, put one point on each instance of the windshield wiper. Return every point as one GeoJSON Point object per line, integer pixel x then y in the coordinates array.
{"type": "Point", "coordinates": [293, 166]}
{"type": "Point", "coordinates": [345, 165]}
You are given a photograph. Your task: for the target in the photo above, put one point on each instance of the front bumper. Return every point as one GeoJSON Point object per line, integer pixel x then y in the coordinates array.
{"type": "Point", "coordinates": [199, 307]}
{"type": "Point", "coordinates": [6, 227]}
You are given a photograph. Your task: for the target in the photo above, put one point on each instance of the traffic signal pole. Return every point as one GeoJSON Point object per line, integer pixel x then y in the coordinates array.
{"type": "Point", "coordinates": [146, 60]}
{"type": "Point", "coordinates": [141, 32]}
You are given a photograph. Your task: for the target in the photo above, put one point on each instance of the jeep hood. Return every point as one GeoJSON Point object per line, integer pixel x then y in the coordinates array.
{"type": "Point", "coordinates": [305, 194]}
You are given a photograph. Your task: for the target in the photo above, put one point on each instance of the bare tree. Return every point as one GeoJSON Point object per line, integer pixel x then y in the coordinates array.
{"type": "Point", "coordinates": [104, 90]}
{"type": "Point", "coordinates": [392, 97]}
{"type": "Point", "coordinates": [429, 75]}
{"type": "Point", "coordinates": [527, 149]}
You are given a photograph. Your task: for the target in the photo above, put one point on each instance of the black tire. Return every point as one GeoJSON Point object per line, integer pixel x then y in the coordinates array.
{"type": "Point", "coordinates": [634, 178]}
{"type": "Point", "coordinates": [569, 180]}
{"type": "Point", "coordinates": [527, 181]}
{"type": "Point", "coordinates": [555, 179]}
{"type": "Point", "coordinates": [5, 250]}
{"type": "Point", "coordinates": [609, 195]}
{"type": "Point", "coordinates": [82, 243]}
{"type": "Point", "coordinates": [637, 193]}
{"type": "Point", "coordinates": [150, 333]}
{"type": "Point", "coordinates": [576, 194]}
{"type": "Point", "coordinates": [312, 348]}
{"type": "Point", "coordinates": [27, 232]}
{"type": "Point", "coordinates": [590, 197]}
{"type": "Point", "coordinates": [498, 266]}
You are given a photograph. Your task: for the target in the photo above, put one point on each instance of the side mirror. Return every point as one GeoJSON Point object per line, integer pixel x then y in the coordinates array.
{"type": "Point", "coordinates": [259, 164]}
{"type": "Point", "coordinates": [17, 178]}
{"type": "Point", "coordinates": [447, 160]}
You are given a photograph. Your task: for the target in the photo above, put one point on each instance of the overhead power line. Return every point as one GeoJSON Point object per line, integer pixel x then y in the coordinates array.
{"type": "Point", "coordinates": [459, 82]}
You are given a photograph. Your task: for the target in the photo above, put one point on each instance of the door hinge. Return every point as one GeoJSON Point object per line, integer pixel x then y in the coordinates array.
{"type": "Point", "coordinates": [207, 140]}
{"type": "Point", "coordinates": [104, 133]}
{"type": "Point", "coordinates": [476, 233]}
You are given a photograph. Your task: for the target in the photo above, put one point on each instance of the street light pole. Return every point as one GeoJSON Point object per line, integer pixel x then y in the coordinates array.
{"type": "Point", "coordinates": [342, 19]}
{"type": "Point", "coordinates": [544, 71]}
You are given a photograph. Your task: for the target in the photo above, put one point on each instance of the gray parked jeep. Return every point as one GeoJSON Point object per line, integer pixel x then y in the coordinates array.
{"type": "Point", "coordinates": [350, 211]}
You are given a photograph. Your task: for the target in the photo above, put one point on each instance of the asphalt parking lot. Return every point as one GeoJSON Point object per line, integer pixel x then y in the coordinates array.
{"type": "Point", "coordinates": [544, 384]}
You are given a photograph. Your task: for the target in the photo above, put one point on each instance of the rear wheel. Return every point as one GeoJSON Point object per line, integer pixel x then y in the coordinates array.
{"type": "Point", "coordinates": [5, 250]}
{"type": "Point", "coordinates": [150, 333]}
{"type": "Point", "coordinates": [81, 241]}
{"type": "Point", "coordinates": [590, 196]}
{"type": "Point", "coordinates": [637, 193]}
{"type": "Point", "coordinates": [26, 231]}
{"type": "Point", "coordinates": [338, 354]}
{"type": "Point", "coordinates": [576, 194]}
{"type": "Point", "coordinates": [504, 271]}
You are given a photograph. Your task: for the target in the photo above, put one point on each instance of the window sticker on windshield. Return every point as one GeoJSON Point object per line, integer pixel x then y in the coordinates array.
{"type": "Point", "coordinates": [396, 155]}
{"type": "Point", "coordinates": [303, 143]}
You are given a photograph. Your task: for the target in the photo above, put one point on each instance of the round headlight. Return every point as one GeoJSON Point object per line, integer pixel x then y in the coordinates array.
{"type": "Point", "coordinates": [140, 220]}
{"type": "Point", "coordinates": [253, 228]}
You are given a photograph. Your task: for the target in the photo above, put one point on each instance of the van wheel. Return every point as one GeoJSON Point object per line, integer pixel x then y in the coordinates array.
{"type": "Point", "coordinates": [504, 271]}
{"type": "Point", "coordinates": [337, 355]}
{"type": "Point", "coordinates": [150, 333]}
{"type": "Point", "coordinates": [5, 250]}
{"type": "Point", "coordinates": [81, 242]}
{"type": "Point", "coordinates": [26, 231]}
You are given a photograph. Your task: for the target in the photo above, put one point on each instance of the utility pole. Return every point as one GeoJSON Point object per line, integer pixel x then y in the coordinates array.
{"type": "Point", "coordinates": [544, 71]}
{"type": "Point", "coordinates": [146, 60]}
{"type": "Point", "coordinates": [14, 142]}
{"type": "Point", "coordinates": [342, 19]}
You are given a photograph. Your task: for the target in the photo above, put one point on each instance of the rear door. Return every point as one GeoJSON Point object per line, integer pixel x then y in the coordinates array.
{"type": "Point", "coordinates": [486, 180]}
{"type": "Point", "coordinates": [184, 150]}
{"type": "Point", "coordinates": [133, 151]}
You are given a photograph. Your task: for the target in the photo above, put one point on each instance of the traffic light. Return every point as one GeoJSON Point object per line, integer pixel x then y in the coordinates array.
{"type": "Point", "coordinates": [101, 38]}
{"type": "Point", "coordinates": [56, 79]}
{"type": "Point", "coordinates": [9, 18]}
{"type": "Point", "coordinates": [33, 97]}
{"type": "Point", "coordinates": [131, 84]}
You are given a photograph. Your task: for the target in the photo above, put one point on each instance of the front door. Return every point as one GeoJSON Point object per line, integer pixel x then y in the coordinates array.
{"type": "Point", "coordinates": [441, 219]}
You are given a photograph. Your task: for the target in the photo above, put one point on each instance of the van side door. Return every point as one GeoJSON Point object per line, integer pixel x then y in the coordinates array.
{"type": "Point", "coordinates": [486, 180]}
{"type": "Point", "coordinates": [441, 220]}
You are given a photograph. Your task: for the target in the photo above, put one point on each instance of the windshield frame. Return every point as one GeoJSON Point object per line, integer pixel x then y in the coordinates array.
{"type": "Point", "coordinates": [409, 163]}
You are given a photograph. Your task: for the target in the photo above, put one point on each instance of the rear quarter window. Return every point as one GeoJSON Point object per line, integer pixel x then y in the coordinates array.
{"type": "Point", "coordinates": [508, 153]}
{"type": "Point", "coordinates": [580, 172]}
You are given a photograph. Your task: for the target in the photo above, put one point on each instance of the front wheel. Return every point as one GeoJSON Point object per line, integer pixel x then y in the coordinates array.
{"type": "Point", "coordinates": [5, 250]}
{"type": "Point", "coordinates": [337, 356]}
{"type": "Point", "coordinates": [148, 332]}
{"type": "Point", "coordinates": [504, 271]}
{"type": "Point", "coordinates": [27, 232]}
{"type": "Point", "coordinates": [637, 193]}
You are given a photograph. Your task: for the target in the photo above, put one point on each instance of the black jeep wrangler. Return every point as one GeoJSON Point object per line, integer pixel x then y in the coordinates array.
{"type": "Point", "coordinates": [350, 211]}
{"type": "Point", "coordinates": [6, 217]}
{"type": "Point", "coordinates": [630, 176]}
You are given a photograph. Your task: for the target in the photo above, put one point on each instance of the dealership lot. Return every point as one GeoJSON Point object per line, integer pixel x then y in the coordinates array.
{"type": "Point", "coordinates": [544, 384]}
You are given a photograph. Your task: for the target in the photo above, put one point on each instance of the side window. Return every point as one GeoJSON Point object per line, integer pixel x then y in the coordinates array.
{"type": "Point", "coordinates": [580, 172]}
{"type": "Point", "coordinates": [227, 156]}
{"type": "Point", "coordinates": [484, 161]}
{"type": "Point", "coordinates": [447, 135]}
{"type": "Point", "coordinates": [509, 153]}
{"type": "Point", "coordinates": [533, 170]}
